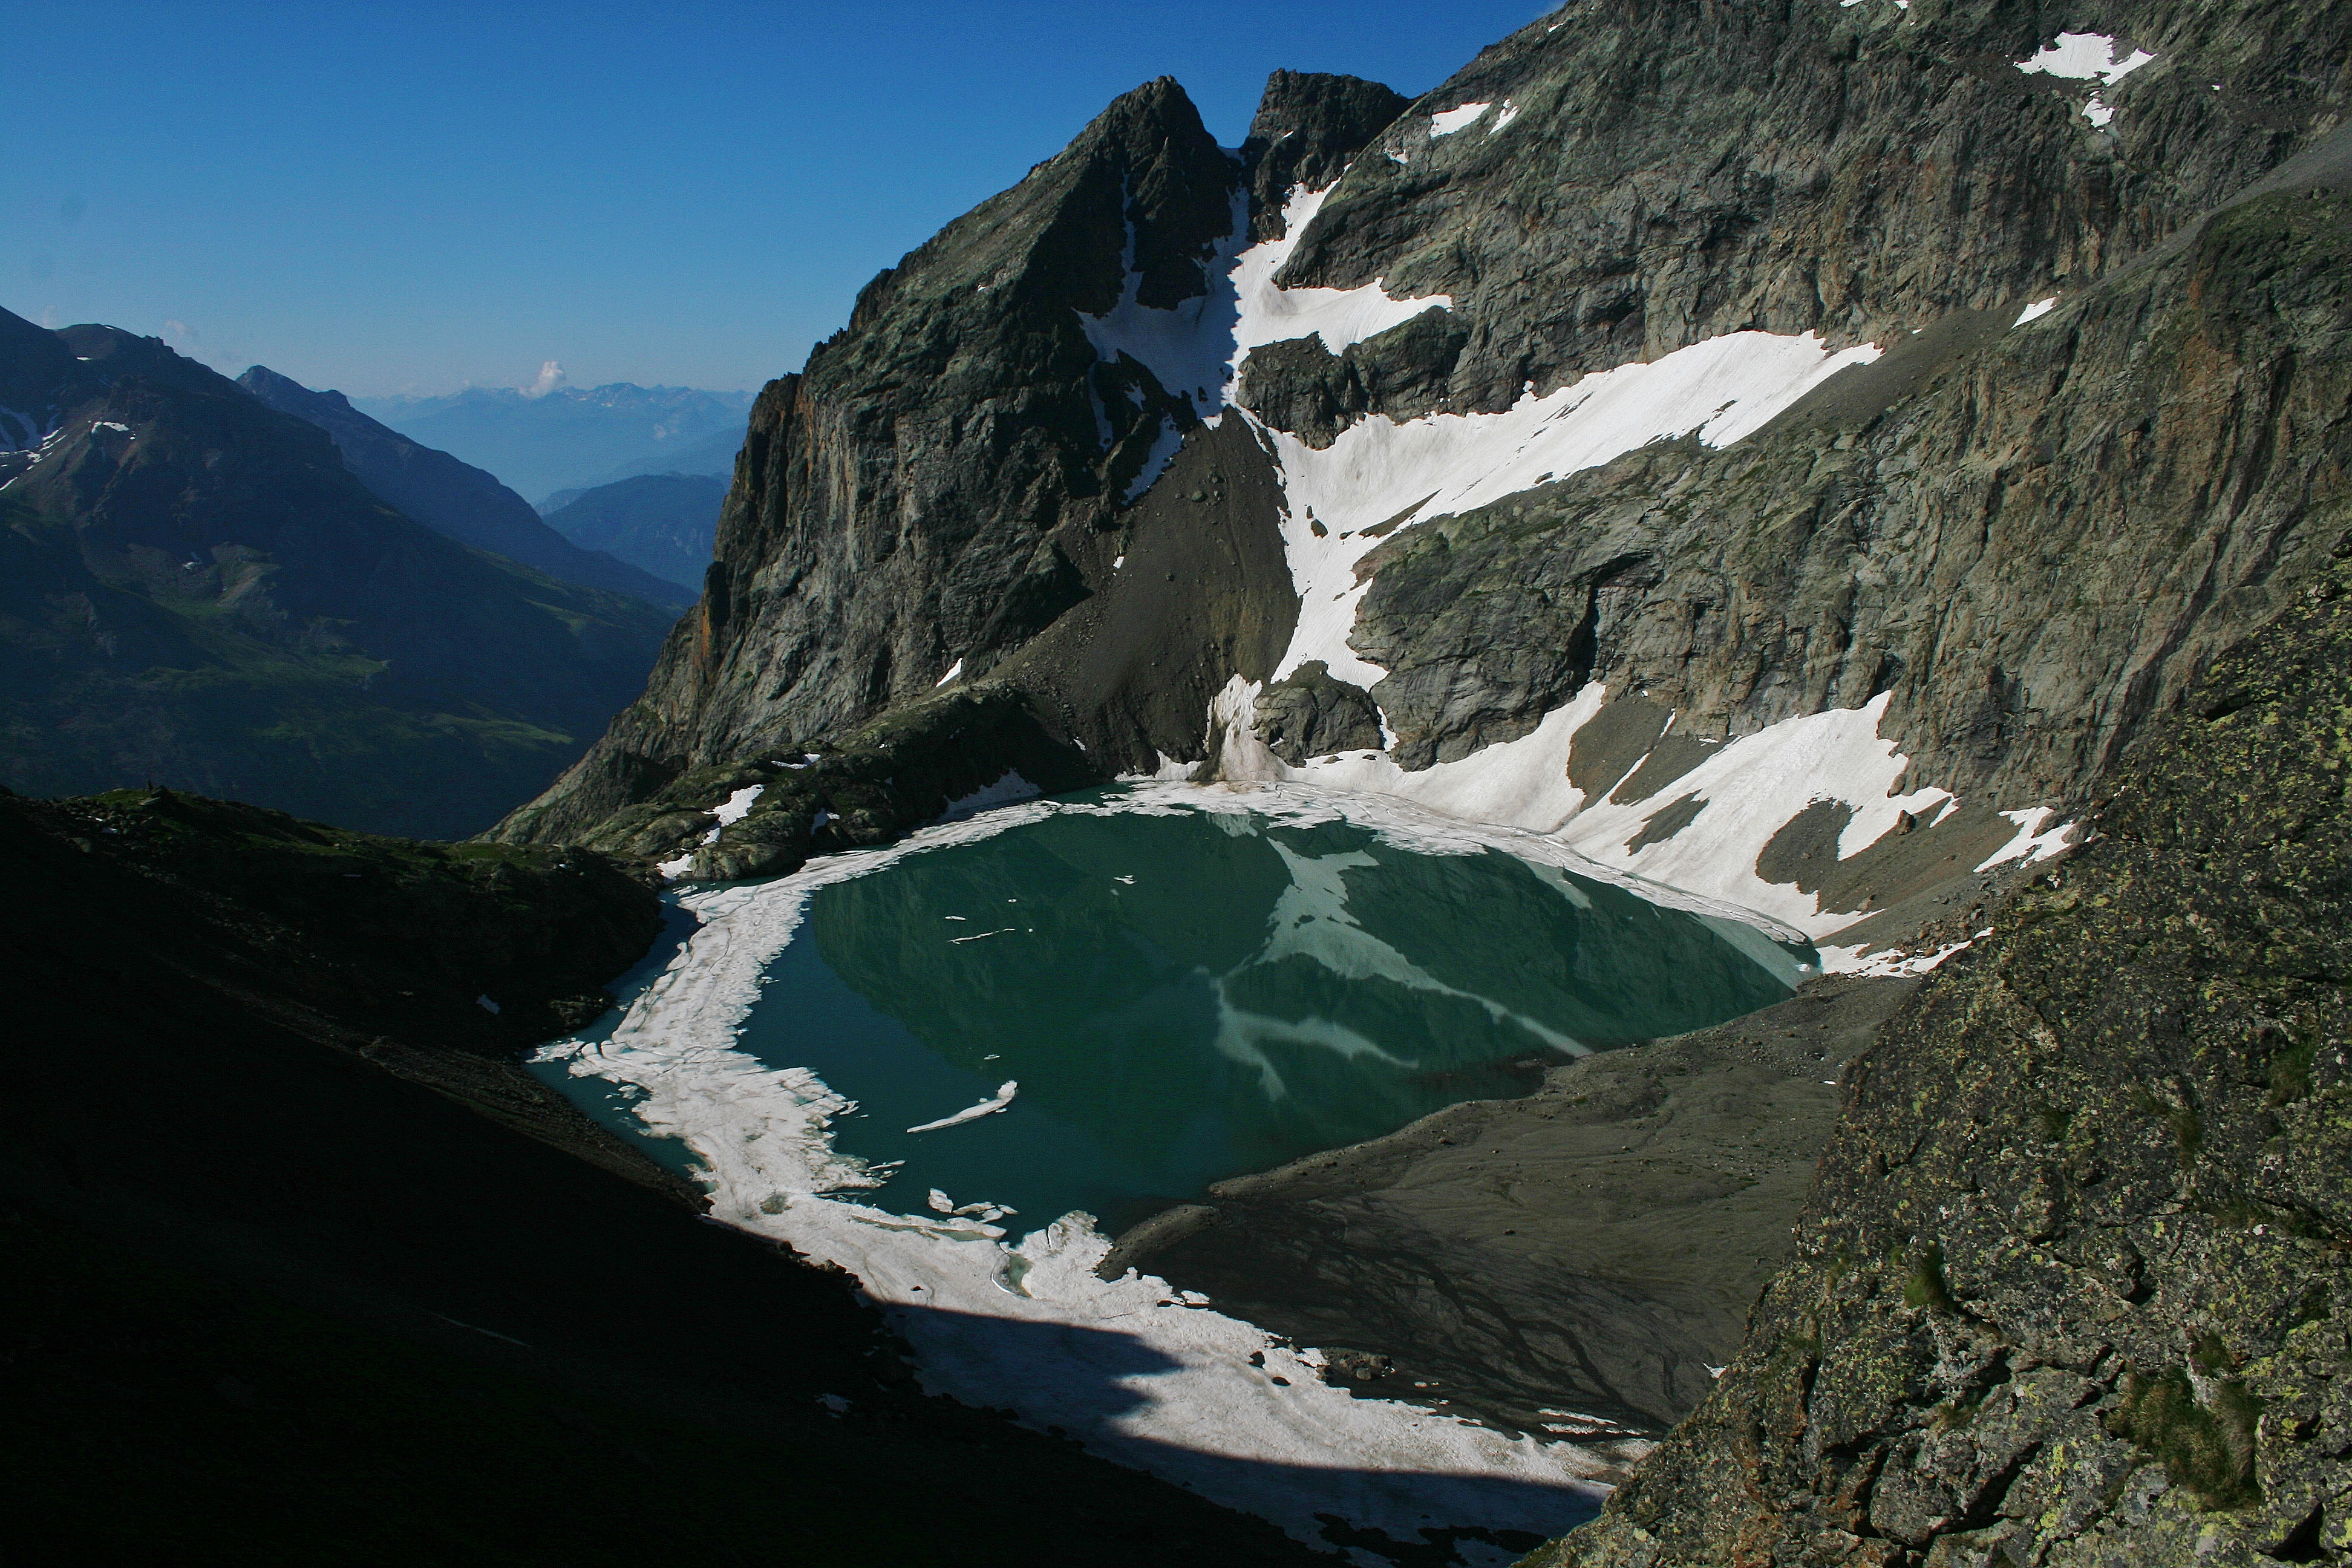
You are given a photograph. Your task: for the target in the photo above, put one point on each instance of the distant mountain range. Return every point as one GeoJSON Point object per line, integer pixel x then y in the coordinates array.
{"type": "Point", "coordinates": [539, 442]}
{"type": "Point", "coordinates": [454, 497]}
{"type": "Point", "coordinates": [196, 589]}
{"type": "Point", "coordinates": [661, 522]}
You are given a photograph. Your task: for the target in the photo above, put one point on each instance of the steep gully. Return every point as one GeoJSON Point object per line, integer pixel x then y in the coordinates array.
{"type": "Point", "coordinates": [1799, 651]}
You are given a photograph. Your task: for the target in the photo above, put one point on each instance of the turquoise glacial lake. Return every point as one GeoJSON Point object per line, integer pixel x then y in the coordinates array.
{"type": "Point", "coordinates": [1187, 996]}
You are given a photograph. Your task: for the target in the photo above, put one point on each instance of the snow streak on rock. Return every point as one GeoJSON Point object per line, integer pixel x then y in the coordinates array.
{"type": "Point", "coordinates": [1380, 474]}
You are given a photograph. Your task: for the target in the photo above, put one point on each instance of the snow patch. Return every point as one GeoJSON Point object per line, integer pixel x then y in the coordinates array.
{"type": "Point", "coordinates": [2085, 56]}
{"type": "Point", "coordinates": [1454, 120]}
{"type": "Point", "coordinates": [1509, 112]}
{"type": "Point", "coordinates": [1746, 791]}
{"type": "Point", "coordinates": [1265, 312]}
{"type": "Point", "coordinates": [2036, 311]}
{"type": "Point", "coordinates": [953, 671]}
{"type": "Point", "coordinates": [1005, 791]}
{"type": "Point", "coordinates": [1379, 471]}
{"type": "Point", "coordinates": [2031, 843]}
{"type": "Point", "coordinates": [730, 811]}
{"type": "Point", "coordinates": [1892, 964]}
{"type": "Point", "coordinates": [1164, 447]}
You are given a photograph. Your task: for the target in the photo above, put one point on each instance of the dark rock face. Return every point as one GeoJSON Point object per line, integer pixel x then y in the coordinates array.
{"type": "Point", "coordinates": [1307, 130]}
{"type": "Point", "coordinates": [1301, 386]}
{"type": "Point", "coordinates": [1310, 714]}
{"type": "Point", "coordinates": [466, 503]}
{"type": "Point", "coordinates": [1673, 172]}
{"type": "Point", "coordinates": [196, 591]}
{"type": "Point", "coordinates": [2072, 1287]}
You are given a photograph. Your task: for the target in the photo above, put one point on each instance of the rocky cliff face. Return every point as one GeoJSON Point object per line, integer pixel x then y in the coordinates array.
{"type": "Point", "coordinates": [197, 591]}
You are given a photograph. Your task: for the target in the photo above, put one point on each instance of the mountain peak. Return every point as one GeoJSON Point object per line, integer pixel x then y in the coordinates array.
{"type": "Point", "coordinates": [1310, 124]}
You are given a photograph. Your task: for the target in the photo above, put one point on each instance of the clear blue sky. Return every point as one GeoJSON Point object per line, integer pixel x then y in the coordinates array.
{"type": "Point", "coordinates": [388, 197]}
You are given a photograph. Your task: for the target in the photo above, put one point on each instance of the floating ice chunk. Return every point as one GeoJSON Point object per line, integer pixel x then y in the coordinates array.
{"type": "Point", "coordinates": [989, 1107]}
{"type": "Point", "coordinates": [484, 1004]}
{"type": "Point", "coordinates": [2085, 56]}
{"type": "Point", "coordinates": [1454, 120]}
{"type": "Point", "coordinates": [2031, 843]}
{"type": "Point", "coordinates": [953, 671]}
{"type": "Point", "coordinates": [834, 1403]}
{"type": "Point", "coordinates": [1117, 561]}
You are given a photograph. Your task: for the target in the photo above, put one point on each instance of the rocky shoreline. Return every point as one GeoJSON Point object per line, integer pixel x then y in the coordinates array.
{"type": "Point", "coordinates": [1574, 1263]}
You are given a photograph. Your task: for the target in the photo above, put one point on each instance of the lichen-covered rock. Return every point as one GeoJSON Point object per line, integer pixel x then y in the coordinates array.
{"type": "Point", "coordinates": [2072, 1287]}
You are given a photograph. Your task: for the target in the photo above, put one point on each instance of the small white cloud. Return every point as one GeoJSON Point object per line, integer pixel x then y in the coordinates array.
{"type": "Point", "coordinates": [181, 332]}
{"type": "Point", "coordinates": [550, 377]}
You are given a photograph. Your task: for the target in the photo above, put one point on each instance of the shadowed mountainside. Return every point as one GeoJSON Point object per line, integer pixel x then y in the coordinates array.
{"type": "Point", "coordinates": [197, 591]}
{"type": "Point", "coordinates": [308, 1263]}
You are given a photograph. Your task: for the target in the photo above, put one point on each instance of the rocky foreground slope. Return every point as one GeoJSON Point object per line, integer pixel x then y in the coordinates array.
{"type": "Point", "coordinates": [2072, 1285]}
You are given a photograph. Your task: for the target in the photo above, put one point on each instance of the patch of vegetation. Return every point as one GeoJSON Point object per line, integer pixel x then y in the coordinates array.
{"type": "Point", "coordinates": [2210, 1449]}
{"type": "Point", "coordinates": [1926, 1286]}
{"type": "Point", "coordinates": [2291, 1071]}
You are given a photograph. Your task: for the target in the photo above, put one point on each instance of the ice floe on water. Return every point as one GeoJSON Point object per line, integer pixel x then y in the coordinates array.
{"type": "Point", "coordinates": [1136, 1371]}
{"type": "Point", "coordinates": [989, 1107]}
